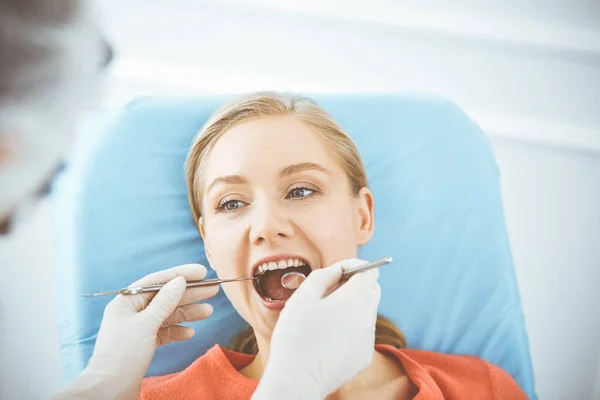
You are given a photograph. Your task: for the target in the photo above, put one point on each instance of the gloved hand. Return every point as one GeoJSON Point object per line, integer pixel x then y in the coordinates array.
{"type": "Point", "coordinates": [321, 340]}
{"type": "Point", "coordinates": [134, 326]}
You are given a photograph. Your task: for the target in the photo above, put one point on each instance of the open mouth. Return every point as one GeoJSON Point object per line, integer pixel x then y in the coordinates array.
{"type": "Point", "coordinates": [268, 285]}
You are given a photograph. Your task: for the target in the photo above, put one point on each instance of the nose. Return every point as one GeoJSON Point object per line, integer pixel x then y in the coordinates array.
{"type": "Point", "coordinates": [270, 224]}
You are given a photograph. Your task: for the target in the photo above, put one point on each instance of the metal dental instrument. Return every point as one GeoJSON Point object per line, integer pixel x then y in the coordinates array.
{"type": "Point", "coordinates": [155, 288]}
{"type": "Point", "coordinates": [292, 280]}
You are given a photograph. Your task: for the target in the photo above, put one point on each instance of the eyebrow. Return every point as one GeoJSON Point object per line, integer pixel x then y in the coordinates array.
{"type": "Point", "coordinates": [301, 167]}
{"type": "Point", "coordinates": [283, 172]}
{"type": "Point", "coordinates": [227, 180]}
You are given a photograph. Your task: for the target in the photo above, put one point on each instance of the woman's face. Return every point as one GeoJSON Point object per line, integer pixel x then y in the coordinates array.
{"type": "Point", "coordinates": [276, 198]}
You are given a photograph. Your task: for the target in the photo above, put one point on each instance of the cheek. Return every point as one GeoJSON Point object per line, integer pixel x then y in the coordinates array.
{"type": "Point", "coordinates": [222, 242]}
{"type": "Point", "coordinates": [235, 294]}
{"type": "Point", "coordinates": [332, 230]}
{"type": "Point", "coordinates": [238, 295]}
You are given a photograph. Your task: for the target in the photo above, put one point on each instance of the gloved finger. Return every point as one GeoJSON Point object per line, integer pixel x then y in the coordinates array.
{"type": "Point", "coordinates": [373, 298]}
{"type": "Point", "coordinates": [193, 295]}
{"type": "Point", "coordinates": [376, 293]}
{"type": "Point", "coordinates": [174, 333]}
{"type": "Point", "coordinates": [365, 349]}
{"type": "Point", "coordinates": [320, 281]}
{"type": "Point", "coordinates": [165, 302]}
{"type": "Point", "coordinates": [190, 296]}
{"type": "Point", "coordinates": [356, 288]}
{"type": "Point", "coordinates": [189, 313]}
{"type": "Point", "coordinates": [368, 278]}
{"type": "Point", "coordinates": [189, 271]}
{"type": "Point", "coordinates": [351, 263]}
{"type": "Point", "coordinates": [139, 301]}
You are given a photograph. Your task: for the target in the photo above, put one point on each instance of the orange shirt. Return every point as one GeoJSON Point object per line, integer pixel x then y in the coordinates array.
{"type": "Point", "coordinates": [438, 376]}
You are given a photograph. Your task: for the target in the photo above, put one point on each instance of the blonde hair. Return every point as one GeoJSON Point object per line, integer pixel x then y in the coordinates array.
{"type": "Point", "coordinates": [270, 104]}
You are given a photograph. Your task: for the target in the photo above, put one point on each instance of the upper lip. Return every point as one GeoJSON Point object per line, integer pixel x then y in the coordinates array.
{"type": "Point", "coordinates": [277, 257]}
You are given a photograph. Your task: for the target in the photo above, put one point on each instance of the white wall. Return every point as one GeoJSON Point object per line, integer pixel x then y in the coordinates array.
{"type": "Point", "coordinates": [528, 71]}
{"type": "Point", "coordinates": [552, 203]}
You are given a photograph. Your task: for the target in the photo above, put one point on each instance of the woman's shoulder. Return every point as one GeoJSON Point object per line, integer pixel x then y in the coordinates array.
{"type": "Point", "coordinates": [456, 376]}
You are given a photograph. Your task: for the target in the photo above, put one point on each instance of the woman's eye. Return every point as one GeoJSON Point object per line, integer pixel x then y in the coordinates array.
{"type": "Point", "coordinates": [299, 193]}
{"type": "Point", "coordinates": [231, 205]}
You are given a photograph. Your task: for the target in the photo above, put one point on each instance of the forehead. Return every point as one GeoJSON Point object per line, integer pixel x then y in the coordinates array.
{"type": "Point", "coordinates": [262, 143]}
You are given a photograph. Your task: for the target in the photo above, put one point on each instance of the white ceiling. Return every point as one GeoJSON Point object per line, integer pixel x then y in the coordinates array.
{"type": "Point", "coordinates": [577, 13]}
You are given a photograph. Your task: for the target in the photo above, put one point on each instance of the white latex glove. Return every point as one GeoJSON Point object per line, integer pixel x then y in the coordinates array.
{"type": "Point", "coordinates": [322, 341]}
{"type": "Point", "coordinates": [134, 326]}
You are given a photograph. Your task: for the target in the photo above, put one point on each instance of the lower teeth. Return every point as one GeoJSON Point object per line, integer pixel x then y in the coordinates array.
{"type": "Point", "coordinates": [262, 290]}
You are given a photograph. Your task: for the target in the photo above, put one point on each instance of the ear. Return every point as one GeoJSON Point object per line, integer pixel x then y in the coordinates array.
{"type": "Point", "coordinates": [365, 216]}
{"type": "Point", "coordinates": [203, 235]}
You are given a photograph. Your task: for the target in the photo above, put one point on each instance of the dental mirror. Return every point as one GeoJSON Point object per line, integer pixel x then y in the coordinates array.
{"type": "Point", "coordinates": [292, 280]}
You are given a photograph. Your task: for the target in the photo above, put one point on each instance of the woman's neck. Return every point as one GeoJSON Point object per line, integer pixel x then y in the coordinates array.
{"type": "Point", "coordinates": [384, 375]}
{"type": "Point", "coordinates": [384, 378]}
{"type": "Point", "coordinates": [256, 368]}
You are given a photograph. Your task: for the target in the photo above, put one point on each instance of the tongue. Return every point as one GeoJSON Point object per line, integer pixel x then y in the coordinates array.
{"type": "Point", "coordinates": [270, 283]}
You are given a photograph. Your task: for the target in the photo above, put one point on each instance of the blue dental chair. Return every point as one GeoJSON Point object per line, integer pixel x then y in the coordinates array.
{"type": "Point", "coordinates": [121, 212]}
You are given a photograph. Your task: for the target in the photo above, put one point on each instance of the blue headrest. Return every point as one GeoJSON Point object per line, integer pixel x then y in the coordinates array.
{"type": "Point", "coordinates": [123, 213]}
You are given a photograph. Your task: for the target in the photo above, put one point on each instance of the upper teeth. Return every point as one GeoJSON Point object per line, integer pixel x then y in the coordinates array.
{"type": "Point", "coordinates": [281, 264]}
